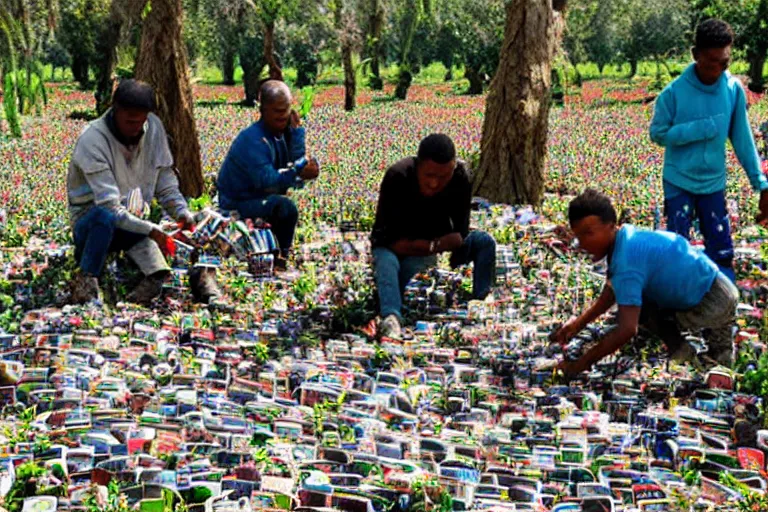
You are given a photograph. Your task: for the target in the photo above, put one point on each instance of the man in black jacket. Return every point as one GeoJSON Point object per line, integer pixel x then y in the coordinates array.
{"type": "Point", "coordinates": [423, 210]}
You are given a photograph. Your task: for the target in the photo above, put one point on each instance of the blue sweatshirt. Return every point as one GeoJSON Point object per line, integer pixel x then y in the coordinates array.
{"type": "Point", "coordinates": [693, 121]}
{"type": "Point", "coordinates": [251, 169]}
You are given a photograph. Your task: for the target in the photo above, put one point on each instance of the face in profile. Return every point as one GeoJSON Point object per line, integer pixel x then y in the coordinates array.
{"type": "Point", "coordinates": [594, 235]}
{"type": "Point", "coordinates": [434, 177]}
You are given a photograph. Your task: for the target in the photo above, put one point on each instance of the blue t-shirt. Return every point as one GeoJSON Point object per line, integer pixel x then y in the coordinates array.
{"type": "Point", "coordinates": [658, 266]}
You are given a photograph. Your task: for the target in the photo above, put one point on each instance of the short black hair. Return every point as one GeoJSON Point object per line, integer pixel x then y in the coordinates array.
{"type": "Point", "coordinates": [134, 94]}
{"type": "Point", "coordinates": [591, 202]}
{"type": "Point", "coordinates": [713, 33]}
{"type": "Point", "coordinates": [438, 148]}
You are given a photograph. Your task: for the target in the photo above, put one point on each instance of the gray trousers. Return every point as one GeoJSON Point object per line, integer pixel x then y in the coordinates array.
{"type": "Point", "coordinates": [716, 314]}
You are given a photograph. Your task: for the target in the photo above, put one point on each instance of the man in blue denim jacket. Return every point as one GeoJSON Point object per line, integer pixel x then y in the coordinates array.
{"type": "Point", "coordinates": [260, 167]}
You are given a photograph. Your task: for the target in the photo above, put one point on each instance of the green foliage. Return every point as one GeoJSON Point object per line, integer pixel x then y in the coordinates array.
{"type": "Point", "coordinates": [80, 28]}
{"type": "Point", "coordinates": [200, 203]}
{"type": "Point", "coordinates": [307, 98]}
{"type": "Point", "coordinates": [25, 485]}
{"type": "Point", "coordinates": [752, 500]}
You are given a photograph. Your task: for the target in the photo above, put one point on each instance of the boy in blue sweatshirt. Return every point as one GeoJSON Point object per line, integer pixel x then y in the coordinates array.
{"type": "Point", "coordinates": [256, 175]}
{"type": "Point", "coordinates": [693, 118]}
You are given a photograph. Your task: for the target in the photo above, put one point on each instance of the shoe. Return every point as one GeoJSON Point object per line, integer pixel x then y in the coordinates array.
{"type": "Point", "coordinates": [720, 356]}
{"type": "Point", "coordinates": [390, 327]}
{"type": "Point", "coordinates": [147, 290]}
{"type": "Point", "coordinates": [281, 264]}
{"type": "Point", "coordinates": [85, 288]}
{"type": "Point", "coordinates": [202, 282]}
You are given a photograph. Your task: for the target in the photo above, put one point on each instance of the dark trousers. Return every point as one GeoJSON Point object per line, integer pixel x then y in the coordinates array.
{"type": "Point", "coordinates": [711, 211]}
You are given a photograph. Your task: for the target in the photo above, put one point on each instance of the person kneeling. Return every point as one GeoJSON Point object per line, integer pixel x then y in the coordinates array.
{"type": "Point", "coordinates": [266, 160]}
{"type": "Point", "coordinates": [657, 280]}
{"type": "Point", "coordinates": [423, 210]}
{"type": "Point", "coordinates": [120, 163]}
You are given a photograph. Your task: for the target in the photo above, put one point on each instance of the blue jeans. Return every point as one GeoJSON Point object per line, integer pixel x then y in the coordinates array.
{"type": "Point", "coordinates": [278, 210]}
{"type": "Point", "coordinates": [714, 224]}
{"type": "Point", "coordinates": [96, 236]}
{"type": "Point", "coordinates": [392, 272]}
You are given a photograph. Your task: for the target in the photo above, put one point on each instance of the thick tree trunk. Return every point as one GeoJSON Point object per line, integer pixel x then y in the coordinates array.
{"type": "Point", "coordinates": [350, 83]}
{"type": "Point", "coordinates": [513, 146]}
{"type": "Point", "coordinates": [756, 65]}
{"type": "Point", "coordinates": [163, 64]}
{"type": "Point", "coordinates": [122, 14]}
{"type": "Point", "coordinates": [228, 65]}
{"type": "Point", "coordinates": [275, 72]}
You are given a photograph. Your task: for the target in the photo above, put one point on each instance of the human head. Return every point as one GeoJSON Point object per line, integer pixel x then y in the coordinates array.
{"type": "Point", "coordinates": [712, 49]}
{"type": "Point", "coordinates": [275, 105]}
{"type": "Point", "coordinates": [132, 102]}
{"type": "Point", "coordinates": [435, 163]}
{"type": "Point", "coordinates": [593, 221]}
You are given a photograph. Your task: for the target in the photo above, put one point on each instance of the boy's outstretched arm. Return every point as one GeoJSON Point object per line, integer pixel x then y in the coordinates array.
{"type": "Point", "coordinates": [597, 309]}
{"type": "Point", "coordinates": [665, 133]}
{"type": "Point", "coordinates": [629, 319]}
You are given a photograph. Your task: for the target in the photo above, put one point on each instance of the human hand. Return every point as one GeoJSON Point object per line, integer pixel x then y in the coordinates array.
{"type": "Point", "coordinates": [187, 221]}
{"type": "Point", "coordinates": [295, 120]}
{"type": "Point", "coordinates": [311, 171]}
{"type": "Point", "coordinates": [449, 242]}
{"type": "Point", "coordinates": [572, 368]}
{"type": "Point", "coordinates": [566, 331]}
{"type": "Point", "coordinates": [163, 241]}
{"type": "Point", "coordinates": [762, 217]}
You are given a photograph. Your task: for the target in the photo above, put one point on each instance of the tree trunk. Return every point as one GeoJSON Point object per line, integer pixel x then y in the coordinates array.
{"type": "Point", "coordinates": [350, 83]}
{"type": "Point", "coordinates": [632, 68]}
{"type": "Point", "coordinates": [252, 61]}
{"type": "Point", "coordinates": [514, 141]}
{"type": "Point", "coordinates": [756, 64]}
{"type": "Point", "coordinates": [122, 14]}
{"type": "Point", "coordinates": [163, 64]}
{"type": "Point", "coordinates": [80, 70]}
{"type": "Point", "coordinates": [376, 21]}
{"type": "Point", "coordinates": [275, 72]}
{"type": "Point", "coordinates": [405, 77]}
{"type": "Point", "coordinates": [475, 80]}
{"type": "Point", "coordinates": [228, 65]}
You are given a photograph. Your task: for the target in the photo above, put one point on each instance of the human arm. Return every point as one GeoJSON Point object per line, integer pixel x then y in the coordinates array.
{"type": "Point", "coordinates": [665, 133]}
{"type": "Point", "coordinates": [170, 198]}
{"type": "Point", "coordinates": [255, 156]}
{"type": "Point", "coordinates": [629, 319]}
{"type": "Point", "coordinates": [91, 157]}
{"type": "Point", "coordinates": [746, 151]}
{"type": "Point", "coordinates": [597, 309]}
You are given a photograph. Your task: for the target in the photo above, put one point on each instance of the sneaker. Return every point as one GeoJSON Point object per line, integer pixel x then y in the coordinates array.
{"type": "Point", "coordinates": [147, 290]}
{"type": "Point", "coordinates": [390, 327]}
{"type": "Point", "coordinates": [202, 282]}
{"type": "Point", "coordinates": [85, 288]}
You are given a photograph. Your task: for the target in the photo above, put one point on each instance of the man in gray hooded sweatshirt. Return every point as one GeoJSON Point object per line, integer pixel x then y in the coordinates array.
{"type": "Point", "coordinates": [120, 164]}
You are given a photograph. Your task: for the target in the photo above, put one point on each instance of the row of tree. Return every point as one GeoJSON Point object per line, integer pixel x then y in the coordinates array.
{"type": "Point", "coordinates": [362, 35]}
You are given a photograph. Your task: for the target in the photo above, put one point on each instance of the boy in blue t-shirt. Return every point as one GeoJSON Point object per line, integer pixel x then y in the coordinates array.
{"type": "Point", "coordinates": [692, 119]}
{"type": "Point", "coordinates": [657, 279]}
